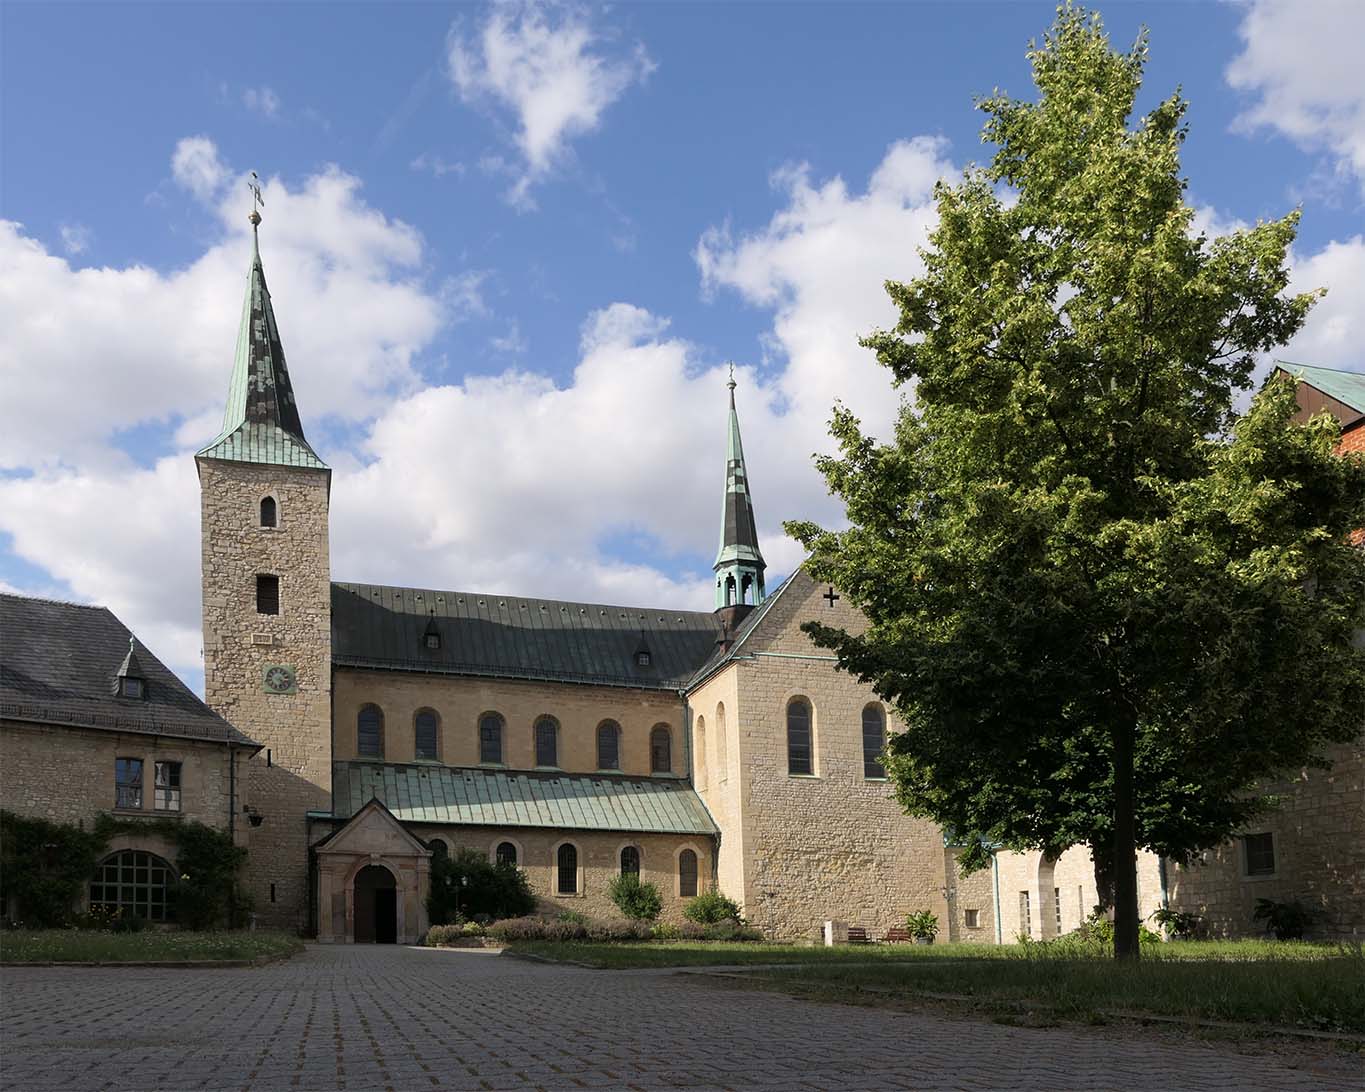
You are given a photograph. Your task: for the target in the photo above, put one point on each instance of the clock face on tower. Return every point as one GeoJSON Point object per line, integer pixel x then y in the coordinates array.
{"type": "Point", "coordinates": [279, 679]}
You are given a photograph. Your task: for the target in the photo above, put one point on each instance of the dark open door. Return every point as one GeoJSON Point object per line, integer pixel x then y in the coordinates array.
{"type": "Point", "coordinates": [376, 906]}
{"type": "Point", "coordinates": [386, 916]}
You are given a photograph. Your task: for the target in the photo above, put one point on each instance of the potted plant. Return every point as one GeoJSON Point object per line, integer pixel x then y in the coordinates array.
{"type": "Point", "coordinates": [922, 926]}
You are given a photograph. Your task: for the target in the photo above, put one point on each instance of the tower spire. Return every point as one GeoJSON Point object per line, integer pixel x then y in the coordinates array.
{"type": "Point", "coordinates": [739, 564]}
{"type": "Point", "coordinates": [261, 422]}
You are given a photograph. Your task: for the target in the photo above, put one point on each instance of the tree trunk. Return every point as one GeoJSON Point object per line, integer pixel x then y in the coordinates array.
{"type": "Point", "coordinates": [1124, 860]}
{"type": "Point", "coordinates": [1102, 856]}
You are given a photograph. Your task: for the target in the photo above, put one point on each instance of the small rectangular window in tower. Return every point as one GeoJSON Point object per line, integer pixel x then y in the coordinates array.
{"type": "Point", "coordinates": [973, 918]}
{"type": "Point", "coordinates": [1057, 906]}
{"type": "Point", "coordinates": [272, 892]}
{"type": "Point", "coordinates": [1260, 854]}
{"type": "Point", "coordinates": [267, 594]}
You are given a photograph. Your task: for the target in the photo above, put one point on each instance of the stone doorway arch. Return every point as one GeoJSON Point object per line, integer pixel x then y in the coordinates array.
{"type": "Point", "coordinates": [375, 898]}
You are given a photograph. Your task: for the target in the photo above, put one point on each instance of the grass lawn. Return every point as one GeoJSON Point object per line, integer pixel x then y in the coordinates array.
{"type": "Point", "coordinates": [1314, 986]}
{"type": "Point", "coordinates": [77, 945]}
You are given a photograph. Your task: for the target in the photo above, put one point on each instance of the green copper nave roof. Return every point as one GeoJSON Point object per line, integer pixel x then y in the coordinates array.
{"type": "Point", "coordinates": [738, 533]}
{"type": "Point", "coordinates": [1345, 387]}
{"type": "Point", "coordinates": [261, 423]}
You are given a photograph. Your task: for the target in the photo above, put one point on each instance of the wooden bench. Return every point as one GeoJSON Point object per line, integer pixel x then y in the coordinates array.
{"type": "Point", "coordinates": [857, 935]}
{"type": "Point", "coordinates": [897, 934]}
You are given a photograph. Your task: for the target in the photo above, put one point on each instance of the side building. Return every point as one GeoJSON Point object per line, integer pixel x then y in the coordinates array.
{"type": "Point", "coordinates": [93, 726]}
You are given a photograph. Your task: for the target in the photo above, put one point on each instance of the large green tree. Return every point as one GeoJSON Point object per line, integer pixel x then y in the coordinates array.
{"type": "Point", "coordinates": [1102, 605]}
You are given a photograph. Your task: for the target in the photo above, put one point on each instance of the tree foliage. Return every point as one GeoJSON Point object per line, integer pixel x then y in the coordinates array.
{"type": "Point", "coordinates": [1101, 604]}
{"type": "Point", "coordinates": [467, 886]}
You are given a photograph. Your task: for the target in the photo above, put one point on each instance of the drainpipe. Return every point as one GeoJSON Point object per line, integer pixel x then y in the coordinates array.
{"type": "Point", "coordinates": [232, 793]}
{"type": "Point", "coordinates": [995, 881]}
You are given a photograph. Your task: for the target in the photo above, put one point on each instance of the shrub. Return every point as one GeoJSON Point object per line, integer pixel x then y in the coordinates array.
{"type": "Point", "coordinates": [637, 901]}
{"type": "Point", "coordinates": [468, 885]}
{"type": "Point", "coordinates": [1287, 920]}
{"type": "Point", "coordinates": [441, 934]}
{"type": "Point", "coordinates": [711, 907]}
{"type": "Point", "coordinates": [573, 917]}
{"type": "Point", "coordinates": [472, 929]}
{"type": "Point", "coordinates": [1182, 924]}
{"type": "Point", "coordinates": [665, 930]}
{"type": "Point", "coordinates": [619, 930]}
{"type": "Point", "coordinates": [922, 924]}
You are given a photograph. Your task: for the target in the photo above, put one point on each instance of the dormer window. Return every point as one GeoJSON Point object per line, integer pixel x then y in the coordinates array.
{"type": "Point", "coordinates": [130, 681]}
{"type": "Point", "coordinates": [129, 687]}
{"type": "Point", "coordinates": [431, 636]}
{"type": "Point", "coordinates": [642, 658]}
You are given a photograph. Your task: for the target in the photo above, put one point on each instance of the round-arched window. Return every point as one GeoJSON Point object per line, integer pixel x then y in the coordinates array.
{"type": "Point", "coordinates": [134, 884]}
{"type": "Point", "coordinates": [608, 745]}
{"type": "Point", "coordinates": [567, 862]}
{"type": "Point", "coordinates": [687, 874]}
{"type": "Point", "coordinates": [506, 854]}
{"type": "Point", "coordinates": [426, 734]}
{"type": "Point", "coordinates": [369, 732]}
{"type": "Point", "coordinates": [439, 850]}
{"type": "Point", "coordinates": [660, 750]}
{"type": "Point", "coordinates": [630, 861]}
{"type": "Point", "coordinates": [269, 512]}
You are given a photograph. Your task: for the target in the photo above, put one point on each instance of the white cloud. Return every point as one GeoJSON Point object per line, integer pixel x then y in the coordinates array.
{"type": "Point", "coordinates": [1301, 61]}
{"type": "Point", "coordinates": [437, 166]}
{"type": "Point", "coordinates": [261, 100]}
{"type": "Point", "coordinates": [75, 239]}
{"type": "Point", "coordinates": [512, 342]}
{"type": "Point", "coordinates": [552, 69]}
{"type": "Point", "coordinates": [126, 346]}
{"type": "Point", "coordinates": [195, 165]}
{"type": "Point", "coordinates": [1335, 331]}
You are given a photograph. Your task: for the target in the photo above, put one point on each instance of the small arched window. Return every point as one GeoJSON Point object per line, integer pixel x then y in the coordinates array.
{"type": "Point", "coordinates": [369, 732]}
{"type": "Point", "coordinates": [490, 738]}
{"type": "Point", "coordinates": [547, 742]}
{"type": "Point", "coordinates": [798, 737]}
{"type": "Point", "coordinates": [687, 874]}
{"type": "Point", "coordinates": [426, 733]}
{"type": "Point", "coordinates": [135, 883]}
{"type": "Point", "coordinates": [566, 861]}
{"type": "Point", "coordinates": [660, 750]}
{"type": "Point", "coordinates": [506, 854]}
{"type": "Point", "coordinates": [439, 850]}
{"type": "Point", "coordinates": [630, 861]}
{"type": "Point", "coordinates": [702, 760]}
{"type": "Point", "coordinates": [608, 745]}
{"type": "Point", "coordinates": [269, 512]}
{"type": "Point", "coordinates": [874, 741]}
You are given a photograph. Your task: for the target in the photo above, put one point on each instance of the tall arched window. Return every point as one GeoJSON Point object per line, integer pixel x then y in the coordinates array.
{"type": "Point", "coordinates": [874, 741]}
{"type": "Point", "coordinates": [566, 865]}
{"type": "Point", "coordinates": [490, 738]}
{"type": "Point", "coordinates": [135, 883]}
{"type": "Point", "coordinates": [547, 742]}
{"type": "Point", "coordinates": [269, 512]}
{"type": "Point", "coordinates": [798, 737]}
{"type": "Point", "coordinates": [630, 861]}
{"type": "Point", "coordinates": [426, 731]}
{"type": "Point", "coordinates": [687, 874]}
{"type": "Point", "coordinates": [660, 750]}
{"type": "Point", "coordinates": [702, 761]}
{"type": "Point", "coordinates": [369, 732]}
{"type": "Point", "coordinates": [722, 744]}
{"type": "Point", "coordinates": [608, 745]}
{"type": "Point", "coordinates": [506, 854]}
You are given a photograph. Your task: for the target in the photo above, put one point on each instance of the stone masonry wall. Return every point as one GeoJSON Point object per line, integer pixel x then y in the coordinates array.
{"type": "Point", "coordinates": [66, 775]}
{"type": "Point", "coordinates": [599, 862]}
{"type": "Point", "coordinates": [719, 774]}
{"type": "Point", "coordinates": [1062, 893]}
{"type": "Point", "coordinates": [293, 774]}
{"type": "Point", "coordinates": [460, 701]}
{"type": "Point", "coordinates": [834, 844]}
{"type": "Point", "coordinates": [1318, 834]}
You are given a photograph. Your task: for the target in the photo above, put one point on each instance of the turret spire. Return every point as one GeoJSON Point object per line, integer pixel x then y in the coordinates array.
{"type": "Point", "coordinates": [261, 423]}
{"type": "Point", "coordinates": [739, 564]}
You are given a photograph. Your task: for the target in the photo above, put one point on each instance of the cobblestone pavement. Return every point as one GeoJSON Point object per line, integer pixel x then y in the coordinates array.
{"type": "Point", "coordinates": [406, 1018]}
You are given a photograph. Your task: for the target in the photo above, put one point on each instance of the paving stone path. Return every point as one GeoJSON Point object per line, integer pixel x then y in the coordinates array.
{"type": "Point", "coordinates": [401, 1019]}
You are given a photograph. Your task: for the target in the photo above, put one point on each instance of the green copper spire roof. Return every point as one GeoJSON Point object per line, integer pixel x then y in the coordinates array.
{"type": "Point", "coordinates": [739, 564]}
{"type": "Point", "coordinates": [261, 423]}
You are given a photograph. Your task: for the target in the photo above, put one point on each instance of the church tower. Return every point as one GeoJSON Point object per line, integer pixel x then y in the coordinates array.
{"type": "Point", "coordinates": [264, 497]}
{"type": "Point", "coordinates": [739, 564]}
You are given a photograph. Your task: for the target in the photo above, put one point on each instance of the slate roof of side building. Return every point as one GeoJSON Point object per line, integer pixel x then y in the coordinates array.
{"type": "Point", "coordinates": [59, 665]}
{"type": "Point", "coordinates": [518, 637]}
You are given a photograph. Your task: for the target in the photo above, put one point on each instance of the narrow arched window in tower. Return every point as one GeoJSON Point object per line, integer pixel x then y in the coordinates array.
{"type": "Point", "coordinates": [661, 749]}
{"type": "Point", "coordinates": [630, 861]}
{"type": "Point", "coordinates": [547, 742]}
{"type": "Point", "coordinates": [567, 866]}
{"type": "Point", "coordinates": [269, 514]}
{"type": "Point", "coordinates": [608, 745]}
{"type": "Point", "coordinates": [267, 594]}
{"type": "Point", "coordinates": [490, 739]}
{"type": "Point", "coordinates": [369, 732]}
{"type": "Point", "coordinates": [874, 741]}
{"type": "Point", "coordinates": [798, 737]}
{"type": "Point", "coordinates": [687, 874]}
{"type": "Point", "coordinates": [426, 732]}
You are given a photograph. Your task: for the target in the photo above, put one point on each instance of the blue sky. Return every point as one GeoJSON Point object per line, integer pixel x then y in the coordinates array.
{"type": "Point", "coordinates": [511, 248]}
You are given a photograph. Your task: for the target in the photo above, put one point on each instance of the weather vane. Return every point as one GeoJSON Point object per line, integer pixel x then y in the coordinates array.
{"type": "Point", "coordinates": [731, 384]}
{"type": "Point", "coordinates": [257, 201]}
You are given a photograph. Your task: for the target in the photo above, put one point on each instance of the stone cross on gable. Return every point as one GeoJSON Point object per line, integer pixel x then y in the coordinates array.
{"type": "Point", "coordinates": [831, 595]}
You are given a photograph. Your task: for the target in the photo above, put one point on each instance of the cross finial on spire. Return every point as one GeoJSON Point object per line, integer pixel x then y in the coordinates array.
{"type": "Point", "coordinates": [257, 201]}
{"type": "Point", "coordinates": [731, 384]}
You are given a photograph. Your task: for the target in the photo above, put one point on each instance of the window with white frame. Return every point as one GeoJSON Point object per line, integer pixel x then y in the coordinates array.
{"type": "Point", "coordinates": [166, 788]}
